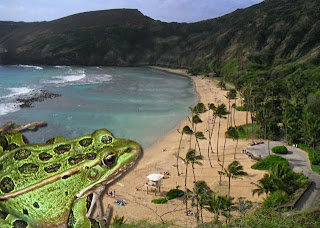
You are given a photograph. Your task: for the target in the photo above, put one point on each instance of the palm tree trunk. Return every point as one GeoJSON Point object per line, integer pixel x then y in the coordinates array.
{"type": "Point", "coordinates": [234, 112]}
{"type": "Point", "coordinates": [178, 154]}
{"type": "Point", "coordinates": [185, 186]}
{"type": "Point", "coordinates": [235, 150]}
{"type": "Point", "coordinates": [197, 213]}
{"type": "Point", "coordinates": [230, 114]}
{"type": "Point", "coordinates": [198, 146]}
{"type": "Point", "coordinates": [218, 140]}
{"type": "Point", "coordinates": [214, 123]}
{"type": "Point", "coordinates": [194, 176]}
{"type": "Point", "coordinates": [223, 158]}
{"type": "Point", "coordinates": [195, 130]}
{"type": "Point", "coordinates": [229, 187]}
{"type": "Point", "coordinates": [224, 148]}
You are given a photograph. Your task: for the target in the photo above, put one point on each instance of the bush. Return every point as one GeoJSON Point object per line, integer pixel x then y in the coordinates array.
{"type": "Point", "coordinates": [280, 150]}
{"type": "Point", "coordinates": [275, 199]}
{"type": "Point", "coordinates": [269, 162]}
{"type": "Point", "coordinates": [160, 200]}
{"type": "Point", "coordinates": [174, 193]}
{"type": "Point", "coordinates": [241, 108]}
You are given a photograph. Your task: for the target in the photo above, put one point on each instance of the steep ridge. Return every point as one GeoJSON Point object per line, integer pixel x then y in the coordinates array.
{"type": "Point", "coordinates": [287, 29]}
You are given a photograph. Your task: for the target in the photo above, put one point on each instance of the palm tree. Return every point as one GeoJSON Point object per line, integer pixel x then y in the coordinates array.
{"type": "Point", "coordinates": [186, 130]}
{"type": "Point", "coordinates": [234, 106]}
{"type": "Point", "coordinates": [199, 136]}
{"type": "Point", "coordinates": [202, 194]}
{"type": "Point", "coordinates": [192, 158]}
{"type": "Point", "coordinates": [199, 109]}
{"type": "Point", "coordinates": [196, 120]}
{"type": "Point", "coordinates": [265, 185]}
{"type": "Point", "coordinates": [244, 205]}
{"type": "Point", "coordinates": [234, 171]}
{"type": "Point", "coordinates": [232, 132]}
{"type": "Point", "coordinates": [212, 107]}
{"type": "Point", "coordinates": [232, 94]}
{"type": "Point", "coordinates": [221, 111]}
{"type": "Point", "coordinates": [220, 205]}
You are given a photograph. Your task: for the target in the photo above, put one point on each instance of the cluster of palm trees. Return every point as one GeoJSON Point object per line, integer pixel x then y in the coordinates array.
{"type": "Point", "coordinates": [280, 178]}
{"type": "Point", "coordinates": [204, 198]}
{"type": "Point", "coordinates": [202, 195]}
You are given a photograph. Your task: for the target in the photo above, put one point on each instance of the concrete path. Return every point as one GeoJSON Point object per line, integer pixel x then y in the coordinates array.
{"type": "Point", "coordinates": [299, 162]}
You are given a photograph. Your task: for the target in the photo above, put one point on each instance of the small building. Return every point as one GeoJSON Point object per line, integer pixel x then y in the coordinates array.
{"type": "Point", "coordinates": [154, 182]}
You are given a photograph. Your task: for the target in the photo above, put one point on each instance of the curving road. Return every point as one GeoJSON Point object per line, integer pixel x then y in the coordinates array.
{"type": "Point", "coordinates": [299, 162]}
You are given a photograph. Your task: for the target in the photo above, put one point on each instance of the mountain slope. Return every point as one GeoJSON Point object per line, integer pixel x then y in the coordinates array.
{"type": "Point", "coordinates": [288, 29]}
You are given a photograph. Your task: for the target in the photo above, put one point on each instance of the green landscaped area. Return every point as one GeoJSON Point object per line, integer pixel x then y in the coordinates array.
{"type": "Point", "coordinates": [314, 160]}
{"type": "Point", "coordinates": [269, 162]}
{"type": "Point", "coordinates": [248, 131]}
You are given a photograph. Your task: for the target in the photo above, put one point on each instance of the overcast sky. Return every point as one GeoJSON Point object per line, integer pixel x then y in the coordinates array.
{"type": "Point", "coordinates": [164, 10]}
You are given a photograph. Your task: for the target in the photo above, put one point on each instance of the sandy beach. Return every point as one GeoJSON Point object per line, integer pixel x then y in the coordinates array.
{"type": "Point", "coordinates": [161, 157]}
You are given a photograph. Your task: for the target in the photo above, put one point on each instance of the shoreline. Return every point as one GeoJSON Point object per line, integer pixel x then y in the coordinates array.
{"type": "Point", "coordinates": [160, 157]}
{"type": "Point", "coordinates": [180, 123]}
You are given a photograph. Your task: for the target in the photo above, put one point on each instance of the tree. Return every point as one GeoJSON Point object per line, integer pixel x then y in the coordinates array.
{"type": "Point", "coordinates": [234, 171]}
{"type": "Point", "coordinates": [199, 108]}
{"type": "Point", "coordinates": [212, 107]}
{"type": "Point", "coordinates": [221, 111]}
{"type": "Point", "coordinates": [222, 84]}
{"type": "Point", "coordinates": [311, 121]}
{"type": "Point", "coordinates": [232, 132]}
{"type": "Point", "coordinates": [232, 94]}
{"type": "Point", "coordinates": [196, 120]}
{"type": "Point", "coordinates": [220, 205]}
{"type": "Point", "coordinates": [265, 185]}
{"type": "Point", "coordinates": [192, 158]}
{"type": "Point", "coordinates": [195, 111]}
{"type": "Point", "coordinates": [199, 136]}
{"type": "Point", "coordinates": [202, 196]}
{"type": "Point", "coordinates": [186, 130]}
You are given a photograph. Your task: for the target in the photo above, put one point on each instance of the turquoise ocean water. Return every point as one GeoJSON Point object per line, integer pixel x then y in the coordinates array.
{"type": "Point", "coordinates": [136, 103]}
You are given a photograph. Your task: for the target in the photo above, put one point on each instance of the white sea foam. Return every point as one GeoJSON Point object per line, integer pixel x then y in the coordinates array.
{"type": "Point", "coordinates": [78, 77]}
{"type": "Point", "coordinates": [71, 78]}
{"type": "Point", "coordinates": [61, 67]}
{"type": "Point", "coordinates": [6, 108]}
{"type": "Point", "coordinates": [18, 91]}
{"type": "Point", "coordinates": [29, 66]}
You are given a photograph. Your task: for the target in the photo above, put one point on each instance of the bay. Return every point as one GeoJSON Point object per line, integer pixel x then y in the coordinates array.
{"type": "Point", "coordinates": [137, 103]}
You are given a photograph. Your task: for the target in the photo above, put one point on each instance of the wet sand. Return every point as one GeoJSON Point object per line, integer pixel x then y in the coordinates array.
{"type": "Point", "coordinates": [161, 157]}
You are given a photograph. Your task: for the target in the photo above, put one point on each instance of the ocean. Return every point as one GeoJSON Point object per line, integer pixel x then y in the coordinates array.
{"type": "Point", "coordinates": [136, 103]}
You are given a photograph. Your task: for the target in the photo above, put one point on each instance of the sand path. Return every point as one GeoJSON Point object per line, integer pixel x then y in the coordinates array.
{"type": "Point", "coordinates": [161, 157]}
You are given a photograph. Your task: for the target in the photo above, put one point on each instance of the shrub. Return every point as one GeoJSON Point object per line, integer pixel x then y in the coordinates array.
{"type": "Point", "coordinates": [269, 162]}
{"type": "Point", "coordinates": [241, 108]}
{"type": "Point", "coordinates": [160, 200]}
{"type": "Point", "coordinates": [275, 199]}
{"type": "Point", "coordinates": [280, 150]}
{"type": "Point", "coordinates": [174, 193]}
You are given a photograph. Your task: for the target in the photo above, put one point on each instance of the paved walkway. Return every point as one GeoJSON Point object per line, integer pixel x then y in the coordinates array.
{"type": "Point", "coordinates": [299, 161]}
